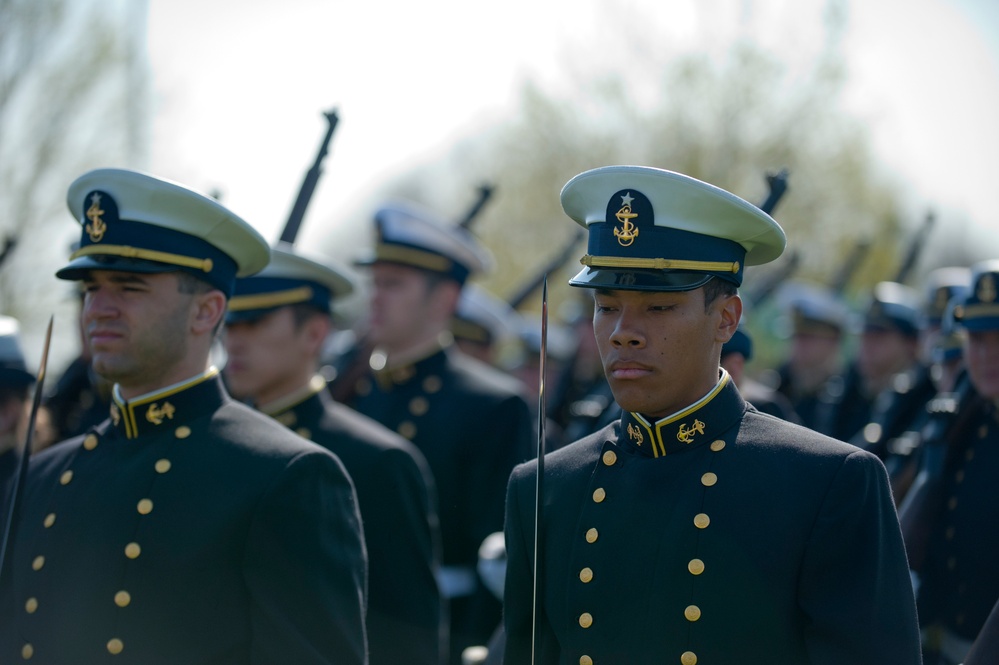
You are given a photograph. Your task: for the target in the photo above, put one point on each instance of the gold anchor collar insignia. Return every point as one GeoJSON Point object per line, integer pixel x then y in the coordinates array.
{"type": "Point", "coordinates": [701, 422]}
{"type": "Point", "coordinates": [686, 434]}
{"type": "Point", "coordinates": [97, 227]}
{"type": "Point", "coordinates": [157, 414]}
{"type": "Point", "coordinates": [635, 434]}
{"type": "Point", "coordinates": [627, 233]}
{"type": "Point", "coordinates": [174, 404]}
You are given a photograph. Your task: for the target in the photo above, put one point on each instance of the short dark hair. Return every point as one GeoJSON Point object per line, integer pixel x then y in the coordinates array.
{"type": "Point", "coordinates": [716, 288]}
{"type": "Point", "coordinates": [8, 393]}
{"type": "Point", "coordinates": [303, 311]}
{"type": "Point", "coordinates": [191, 285]}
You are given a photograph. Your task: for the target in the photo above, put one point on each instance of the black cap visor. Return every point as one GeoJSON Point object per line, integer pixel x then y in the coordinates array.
{"type": "Point", "coordinates": [79, 267]}
{"type": "Point", "coordinates": [637, 279]}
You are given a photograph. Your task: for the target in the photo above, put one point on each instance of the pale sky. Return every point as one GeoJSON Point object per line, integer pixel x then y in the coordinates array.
{"type": "Point", "coordinates": [240, 85]}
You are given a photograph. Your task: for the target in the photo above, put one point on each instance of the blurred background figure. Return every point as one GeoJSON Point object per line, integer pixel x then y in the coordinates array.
{"type": "Point", "coordinates": [888, 347]}
{"type": "Point", "coordinates": [527, 368]}
{"type": "Point", "coordinates": [949, 516]}
{"type": "Point", "coordinates": [15, 388]}
{"type": "Point", "coordinates": [941, 286]}
{"type": "Point", "coordinates": [900, 412]}
{"type": "Point", "coordinates": [734, 355]}
{"type": "Point", "coordinates": [815, 320]}
{"type": "Point", "coordinates": [484, 326]}
{"type": "Point", "coordinates": [470, 420]}
{"type": "Point", "coordinates": [276, 326]}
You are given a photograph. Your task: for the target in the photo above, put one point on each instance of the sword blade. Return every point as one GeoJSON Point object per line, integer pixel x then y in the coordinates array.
{"type": "Point", "coordinates": [539, 494]}
{"type": "Point", "coordinates": [22, 470]}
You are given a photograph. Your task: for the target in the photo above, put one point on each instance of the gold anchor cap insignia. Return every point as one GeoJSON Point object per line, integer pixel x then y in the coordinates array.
{"type": "Point", "coordinates": [155, 414]}
{"type": "Point", "coordinates": [97, 228]}
{"type": "Point", "coordinates": [687, 435]}
{"type": "Point", "coordinates": [627, 233]}
{"type": "Point", "coordinates": [986, 288]}
{"type": "Point", "coordinates": [635, 433]}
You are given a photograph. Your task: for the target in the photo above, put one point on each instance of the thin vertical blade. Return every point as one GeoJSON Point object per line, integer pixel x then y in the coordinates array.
{"type": "Point", "coordinates": [539, 494]}
{"type": "Point", "coordinates": [22, 470]}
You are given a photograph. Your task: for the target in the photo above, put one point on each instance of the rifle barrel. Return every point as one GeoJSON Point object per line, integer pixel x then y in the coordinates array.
{"type": "Point", "coordinates": [291, 227]}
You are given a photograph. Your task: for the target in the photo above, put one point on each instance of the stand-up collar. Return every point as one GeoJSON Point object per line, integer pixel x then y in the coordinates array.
{"type": "Point", "coordinates": [170, 407]}
{"type": "Point", "coordinates": [702, 422]}
{"type": "Point", "coordinates": [315, 385]}
{"type": "Point", "coordinates": [432, 362]}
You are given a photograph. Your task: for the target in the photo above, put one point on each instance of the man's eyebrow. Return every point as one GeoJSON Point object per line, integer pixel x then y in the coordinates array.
{"type": "Point", "coordinates": [120, 278]}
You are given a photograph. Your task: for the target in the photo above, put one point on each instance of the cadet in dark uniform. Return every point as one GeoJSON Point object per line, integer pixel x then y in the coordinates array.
{"type": "Point", "coordinates": [276, 325]}
{"type": "Point", "coordinates": [15, 385]}
{"type": "Point", "coordinates": [959, 579]}
{"type": "Point", "coordinates": [985, 650]}
{"type": "Point", "coordinates": [815, 319]}
{"type": "Point", "coordinates": [187, 528]}
{"type": "Point", "coordinates": [468, 419]}
{"type": "Point", "coordinates": [696, 530]}
{"type": "Point", "coordinates": [901, 412]}
{"type": "Point", "coordinates": [887, 354]}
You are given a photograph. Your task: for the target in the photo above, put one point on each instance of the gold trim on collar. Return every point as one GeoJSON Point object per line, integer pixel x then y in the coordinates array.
{"type": "Point", "coordinates": [130, 252]}
{"type": "Point", "coordinates": [414, 257]}
{"type": "Point", "coordinates": [658, 264]}
{"type": "Point", "coordinates": [655, 430]}
{"type": "Point", "coordinates": [273, 409]}
{"type": "Point", "coordinates": [127, 408]}
{"type": "Point", "coordinates": [722, 382]}
{"type": "Point", "coordinates": [273, 299]}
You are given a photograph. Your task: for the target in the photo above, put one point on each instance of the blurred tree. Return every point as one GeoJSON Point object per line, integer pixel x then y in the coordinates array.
{"type": "Point", "coordinates": [629, 93]}
{"type": "Point", "coordinates": [73, 96]}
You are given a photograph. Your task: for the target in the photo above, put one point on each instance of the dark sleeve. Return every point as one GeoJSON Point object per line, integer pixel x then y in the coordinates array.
{"type": "Point", "coordinates": [502, 441]}
{"type": "Point", "coordinates": [854, 585]}
{"type": "Point", "coordinates": [985, 650]}
{"type": "Point", "coordinates": [404, 607]}
{"type": "Point", "coordinates": [518, 591]}
{"type": "Point", "coordinates": [304, 567]}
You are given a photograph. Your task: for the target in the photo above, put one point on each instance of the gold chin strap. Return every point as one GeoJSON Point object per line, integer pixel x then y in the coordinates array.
{"type": "Point", "coordinates": [128, 252]}
{"type": "Point", "coordinates": [268, 300]}
{"type": "Point", "coordinates": [659, 264]}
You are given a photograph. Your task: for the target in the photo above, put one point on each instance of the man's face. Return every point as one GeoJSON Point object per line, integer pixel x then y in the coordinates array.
{"type": "Point", "coordinates": [400, 305]}
{"type": "Point", "coordinates": [660, 349]}
{"type": "Point", "coordinates": [813, 350]}
{"type": "Point", "coordinates": [267, 357]}
{"type": "Point", "coordinates": [884, 353]}
{"type": "Point", "coordinates": [981, 351]}
{"type": "Point", "coordinates": [137, 327]}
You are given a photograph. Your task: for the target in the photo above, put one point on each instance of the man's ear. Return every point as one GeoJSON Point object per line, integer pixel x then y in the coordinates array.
{"type": "Point", "coordinates": [314, 332]}
{"type": "Point", "coordinates": [207, 311]}
{"type": "Point", "coordinates": [730, 309]}
{"type": "Point", "coordinates": [444, 298]}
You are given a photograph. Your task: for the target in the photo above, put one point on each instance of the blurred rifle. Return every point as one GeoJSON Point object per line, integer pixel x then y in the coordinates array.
{"type": "Point", "coordinates": [485, 192]}
{"type": "Point", "coordinates": [849, 266]}
{"type": "Point", "coordinates": [9, 242]}
{"type": "Point", "coordinates": [525, 291]}
{"type": "Point", "coordinates": [915, 248]}
{"type": "Point", "coordinates": [777, 181]}
{"type": "Point", "coordinates": [778, 186]}
{"type": "Point", "coordinates": [290, 231]}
